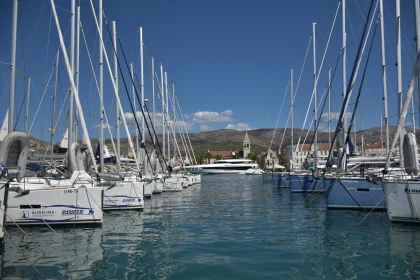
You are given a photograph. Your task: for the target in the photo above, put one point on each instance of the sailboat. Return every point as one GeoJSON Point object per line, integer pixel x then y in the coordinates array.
{"type": "Point", "coordinates": [38, 200]}
{"type": "Point", "coordinates": [33, 200]}
{"type": "Point", "coordinates": [61, 148]}
{"type": "Point", "coordinates": [304, 182]}
{"type": "Point", "coordinates": [403, 191]}
{"type": "Point", "coordinates": [347, 191]}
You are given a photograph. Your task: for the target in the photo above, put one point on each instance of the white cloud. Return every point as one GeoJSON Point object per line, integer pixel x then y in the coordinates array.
{"type": "Point", "coordinates": [207, 116]}
{"type": "Point", "coordinates": [334, 116]}
{"type": "Point", "coordinates": [129, 118]}
{"type": "Point", "coordinates": [206, 127]}
{"type": "Point", "coordinates": [239, 126]}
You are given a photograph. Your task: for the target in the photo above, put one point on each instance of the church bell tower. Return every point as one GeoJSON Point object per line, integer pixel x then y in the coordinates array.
{"type": "Point", "coordinates": [246, 145]}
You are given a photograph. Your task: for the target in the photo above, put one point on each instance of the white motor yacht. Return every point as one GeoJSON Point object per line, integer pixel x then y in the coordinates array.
{"type": "Point", "coordinates": [224, 166]}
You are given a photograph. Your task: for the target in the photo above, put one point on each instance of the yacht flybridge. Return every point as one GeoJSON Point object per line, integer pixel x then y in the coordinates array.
{"type": "Point", "coordinates": [225, 166]}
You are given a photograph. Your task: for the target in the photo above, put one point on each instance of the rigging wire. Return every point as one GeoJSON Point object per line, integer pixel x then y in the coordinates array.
{"type": "Point", "coordinates": [98, 90]}
{"type": "Point", "coordinates": [325, 100]}
{"type": "Point", "coordinates": [352, 80]}
{"type": "Point", "coordinates": [125, 86]}
{"type": "Point", "coordinates": [42, 98]}
{"type": "Point", "coordinates": [360, 91]}
{"type": "Point", "coordinates": [32, 35]}
{"type": "Point", "coordinates": [153, 128]}
{"type": "Point", "coordinates": [278, 117]}
{"type": "Point", "coordinates": [319, 73]}
{"type": "Point", "coordinates": [294, 94]}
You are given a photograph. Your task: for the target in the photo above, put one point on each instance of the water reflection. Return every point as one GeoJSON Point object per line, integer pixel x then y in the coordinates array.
{"type": "Point", "coordinates": [404, 250]}
{"type": "Point", "coordinates": [354, 248]}
{"type": "Point", "coordinates": [71, 258]}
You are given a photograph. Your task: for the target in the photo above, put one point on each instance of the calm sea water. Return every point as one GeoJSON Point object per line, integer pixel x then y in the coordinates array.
{"type": "Point", "coordinates": [230, 226]}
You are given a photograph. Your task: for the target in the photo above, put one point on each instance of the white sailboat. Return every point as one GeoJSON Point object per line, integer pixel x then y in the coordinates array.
{"type": "Point", "coordinates": [403, 191]}
{"type": "Point", "coordinates": [39, 201]}
{"type": "Point", "coordinates": [123, 193]}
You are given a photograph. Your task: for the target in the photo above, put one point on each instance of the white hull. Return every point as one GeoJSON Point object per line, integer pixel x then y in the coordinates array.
{"type": "Point", "coordinates": [158, 186]}
{"type": "Point", "coordinates": [254, 171]}
{"type": "Point", "coordinates": [184, 180]}
{"type": "Point", "coordinates": [402, 200]}
{"type": "Point", "coordinates": [221, 171]}
{"type": "Point", "coordinates": [197, 179]}
{"type": "Point", "coordinates": [172, 184]}
{"type": "Point", "coordinates": [125, 195]}
{"type": "Point", "coordinates": [148, 188]}
{"type": "Point", "coordinates": [228, 166]}
{"type": "Point", "coordinates": [54, 205]}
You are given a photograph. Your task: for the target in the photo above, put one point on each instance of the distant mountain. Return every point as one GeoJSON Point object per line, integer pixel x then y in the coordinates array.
{"type": "Point", "coordinates": [231, 140]}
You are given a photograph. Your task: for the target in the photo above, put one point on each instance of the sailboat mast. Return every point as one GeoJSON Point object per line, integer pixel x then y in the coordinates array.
{"type": "Point", "coordinates": [292, 97]}
{"type": "Point", "coordinates": [382, 137]}
{"type": "Point", "coordinates": [76, 70]}
{"type": "Point", "coordinates": [53, 101]}
{"type": "Point", "coordinates": [399, 77]}
{"type": "Point", "coordinates": [143, 151]}
{"type": "Point", "coordinates": [27, 105]}
{"type": "Point", "coordinates": [329, 106]}
{"type": "Point", "coordinates": [12, 66]}
{"type": "Point", "coordinates": [363, 146]}
{"type": "Point", "coordinates": [101, 93]}
{"type": "Point", "coordinates": [315, 99]}
{"type": "Point", "coordinates": [153, 99]}
{"type": "Point", "coordinates": [384, 88]}
{"type": "Point", "coordinates": [344, 66]}
{"type": "Point", "coordinates": [117, 111]}
{"type": "Point", "coordinates": [173, 126]}
{"type": "Point", "coordinates": [71, 101]}
{"type": "Point", "coordinates": [162, 95]}
{"type": "Point", "coordinates": [167, 114]}
{"type": "Point", "coordinates": [417, 16]}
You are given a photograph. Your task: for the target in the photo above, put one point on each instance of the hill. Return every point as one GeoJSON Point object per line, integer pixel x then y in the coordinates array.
{"type": "Point", "coordinates": [230, 140]}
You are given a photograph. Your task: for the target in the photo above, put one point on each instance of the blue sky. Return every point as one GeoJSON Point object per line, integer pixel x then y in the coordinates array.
{"type": "Point", "coordinates": [230, 60]}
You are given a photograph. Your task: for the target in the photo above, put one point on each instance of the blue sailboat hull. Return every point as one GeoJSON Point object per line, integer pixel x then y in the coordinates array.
{"type": "Point", "coordinates": [305, 183]}
{"type": "Point", "coordinates": [281, 180]}
{"type": "Point", "coordinates": [354, 193]}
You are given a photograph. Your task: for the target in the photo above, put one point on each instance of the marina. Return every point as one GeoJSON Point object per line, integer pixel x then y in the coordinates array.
{"type": "Point", "coordinates": [111, 168]}
{"type": "Point", "coordinates": [268, 233]}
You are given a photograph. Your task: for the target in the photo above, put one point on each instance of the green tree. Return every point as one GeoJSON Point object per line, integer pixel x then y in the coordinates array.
{"type": "Point", "coordinates": [218, 157]}
{"type": "Point", "coordinates": [252, 156]}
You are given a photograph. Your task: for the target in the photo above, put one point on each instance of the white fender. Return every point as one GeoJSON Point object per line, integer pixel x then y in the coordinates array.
{"type": "Point", "coordinates": [14, 152]}
{"type": "Point", "coordinates": [75, 158]}
{"type": "Point", "coordinates": [411, 160]}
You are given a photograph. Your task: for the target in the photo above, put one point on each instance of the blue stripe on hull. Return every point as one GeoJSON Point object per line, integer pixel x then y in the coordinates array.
{"type": "Point", "coordinates": [354, 194]}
